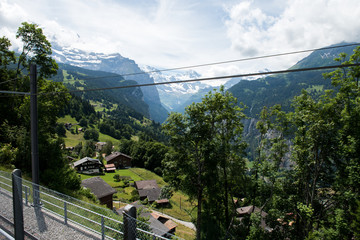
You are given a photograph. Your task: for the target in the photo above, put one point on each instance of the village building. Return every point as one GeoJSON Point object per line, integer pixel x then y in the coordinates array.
{"type": "Point", "coordinates": [88, 165]}
{"type": "Point", "coordinates": [119, 159]}
{"type": "Point", "coordinates": [248, 210]}
{"type": "Point", "coordinates": [110, 168]}
{"type": "Point", "coordinates": [99, 146]}
{"type": "Point", "coordinates": [103, 191]}
{"type": "Point", "coordinates": [168, 223]}
{"type": "Point", "coordinates": [148, 189]}
{"type": "Point", "coordinates": [159, 224]}
{"type": "Point", "coordinates": [162, 202]}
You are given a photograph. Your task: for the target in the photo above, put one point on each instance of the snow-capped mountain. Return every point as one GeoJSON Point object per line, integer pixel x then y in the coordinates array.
{"type": "Point", "coordinates": [175, 95]}
{"type": "Point", "coordinates": [114, 63]}
{"type": "Point", "coordinates": [160, 98]}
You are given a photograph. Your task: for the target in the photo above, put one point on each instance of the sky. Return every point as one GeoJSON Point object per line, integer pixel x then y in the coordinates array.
{"type": "Point", "coordinates": [176, 33]}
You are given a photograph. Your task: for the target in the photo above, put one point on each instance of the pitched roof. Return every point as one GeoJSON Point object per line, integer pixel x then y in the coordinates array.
{"type": "Point", "coordinates": [250, 209]}
{"type": "Point", "coordinates": [110, 167]}
{"type": "Point", "coordinates": [156, 226]}
{"type": "Point", "coordinates": [146, 184]}
{"type": "Point", "coordinates": [98, 186]}
{"type": "Point", "coordinates": [162, 201]}
{"type": "Point", "coordinates": [170, 224]}
{"type": "Point", "coordinates": [114, 155]}
{"type": "Point", "coordinates": [86, 159]}
{"type": "Point", "coordinates": [152, 194]}
{"type": "Point", "coordinates": [164, 220]}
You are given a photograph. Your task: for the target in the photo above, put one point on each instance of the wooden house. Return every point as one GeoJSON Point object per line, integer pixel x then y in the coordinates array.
{"type": "Point", "coordinates": [159, 224]}
{"type": "Point", "coordinates": [88, 165]}
{"type": "Point", "coordinates": [119, 159]}
{"type": "Point", "coordinates": [103, 191]}
{"type": "Point", "coordinates": [148, 189]}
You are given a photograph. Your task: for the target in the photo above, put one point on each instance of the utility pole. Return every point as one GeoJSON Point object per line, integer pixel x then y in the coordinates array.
{"type": "Point", "coordinates": [34, 135]}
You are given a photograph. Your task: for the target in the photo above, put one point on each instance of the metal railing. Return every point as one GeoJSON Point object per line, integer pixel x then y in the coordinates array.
{"type": "Point", "coordinates": [96, 219]}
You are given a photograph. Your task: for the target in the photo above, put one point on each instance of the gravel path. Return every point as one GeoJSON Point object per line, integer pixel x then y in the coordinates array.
{"type": "Point", "coordinates": [42, 224]}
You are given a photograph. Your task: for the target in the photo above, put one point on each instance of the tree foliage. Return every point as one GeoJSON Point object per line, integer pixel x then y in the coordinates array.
{"type": "Point", "coordinates": [15, 124]}
{"type": "Point", "coordinates": [320, 190]}
{"type": "Point", "coordinates": [208, 159]}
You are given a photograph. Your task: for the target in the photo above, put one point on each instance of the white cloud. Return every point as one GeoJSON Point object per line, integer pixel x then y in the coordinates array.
{"type": "Point", "coordinates": [175, 33]}
{"type": "Point", "coordinates": [161, 33]}
{"type": "Point", "coordinates": [303, 24]}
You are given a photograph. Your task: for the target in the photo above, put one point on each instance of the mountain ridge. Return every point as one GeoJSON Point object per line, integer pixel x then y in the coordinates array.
{"type": "Point", "coordinates": [281, 88]}
{"type": "Point", "coordinates": [114, 63]}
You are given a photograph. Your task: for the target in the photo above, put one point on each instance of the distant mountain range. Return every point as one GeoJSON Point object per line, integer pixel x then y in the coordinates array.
{"type": "Point", "coordinates": [156, 101]}
{"type": "Point", "coordinates": [114, 63]}
{"type": "Point", "coordinates": [161, 99]}
{"type": "Point", "coordinates": [173, 96]}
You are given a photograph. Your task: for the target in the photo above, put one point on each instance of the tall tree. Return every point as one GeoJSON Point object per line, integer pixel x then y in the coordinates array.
{"type": "Point", "coordinates": [207, 139]}
{"type": "Point", "coordinates": [36, 49]}
{"type": "Point", "coordinates": [15, 124]}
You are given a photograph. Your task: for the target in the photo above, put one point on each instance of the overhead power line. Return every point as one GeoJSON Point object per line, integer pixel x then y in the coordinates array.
{"type": "Point", "coordinates": [11, 80]}
{"type": "Point", "coordinates": [14, 92]}
{"type": "Point", "coordinates": [246, 59]}
{"type": "Point", "coordinates": [224, 62]}
{"type": "Point", "coordinates": [211, 78]}
{"type": "Point", "coordinates": [195, 80]}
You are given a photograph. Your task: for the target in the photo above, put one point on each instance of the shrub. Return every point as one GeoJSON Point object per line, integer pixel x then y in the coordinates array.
{"type": "Point", "coordinates": [116, 178]}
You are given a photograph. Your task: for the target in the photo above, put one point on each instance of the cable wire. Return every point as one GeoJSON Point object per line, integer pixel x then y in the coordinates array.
{"type": "Point", "coordinates": [11, 80]}
{"type": "Point", "coordinates": [196, 80]}
{"type": "Point", "coordinates": [224, 62]}
{"type": "Point", "coordinates": [211, 78]}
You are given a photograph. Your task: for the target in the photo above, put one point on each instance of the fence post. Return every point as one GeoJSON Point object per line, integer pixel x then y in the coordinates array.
{"type": "Point", "coordinates": [129, 222]}
{"type": "Point", "coordinates": [17, 204]}
{"type": "Point", "coordinates": [26, 195]}
{"type": "Point", "coordinates": [102, 228]}
{"type": "Point", "coordinates": [65, 212]}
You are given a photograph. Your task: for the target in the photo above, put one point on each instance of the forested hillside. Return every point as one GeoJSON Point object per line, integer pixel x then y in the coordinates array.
{"type": "Point", "coordinates": [76, 78]}
{"type": "Point", "coordinates": [280, 89]}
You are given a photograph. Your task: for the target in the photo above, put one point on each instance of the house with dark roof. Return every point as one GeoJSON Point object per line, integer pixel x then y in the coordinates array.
{"type": "Point", "coordinates": [119, 159]}
{"type": "Point", "coordinates": [159, 224]}
{"type": "Point", "coordinates": [88, 165]}
{"type": "Point", "coordinates": [148, 189]}
{"type": "Point", "coordinates": [103, 191]}
{"type": "Point", "coordinates": [169, 224]}
{"type": "Point", "coordinates": [248, 210]}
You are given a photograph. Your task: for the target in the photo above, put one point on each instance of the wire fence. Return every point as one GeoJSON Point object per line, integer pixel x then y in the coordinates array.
{"type": "Point", "coordinates": [102, 221]}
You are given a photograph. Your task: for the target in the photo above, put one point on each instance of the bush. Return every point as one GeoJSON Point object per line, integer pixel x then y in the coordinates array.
{"type": "Point", "coordinates": [91, 134]}
{"type": "Point", "coordinates": [116, 178]}
{"type": "Point", "coordinates": [83, 122]}
{"type": "Point", "coordinates": [166, 192]}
